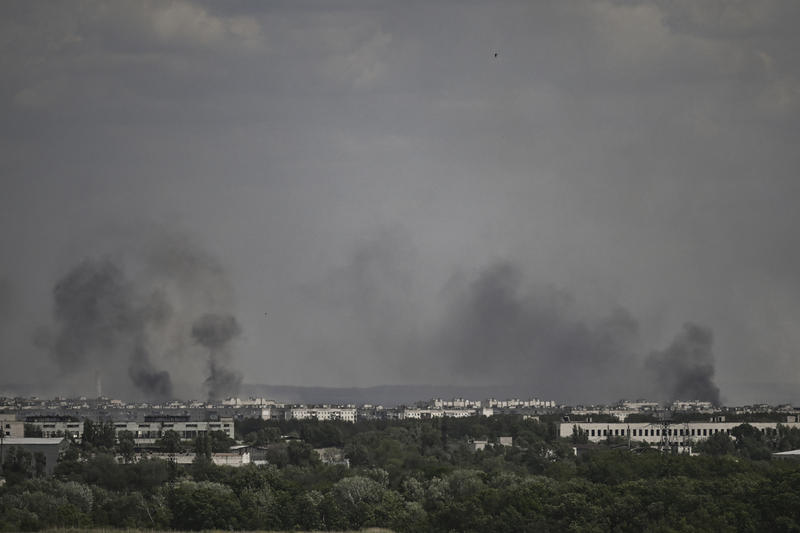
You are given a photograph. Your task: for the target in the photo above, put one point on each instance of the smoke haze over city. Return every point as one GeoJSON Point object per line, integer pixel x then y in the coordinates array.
{"type": "Point", "coordinates": [590, 200]}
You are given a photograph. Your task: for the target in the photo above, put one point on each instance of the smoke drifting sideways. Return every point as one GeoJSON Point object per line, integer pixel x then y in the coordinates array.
{"type": "Point", "coordinates": [215, 332]}
{"type": "Point", "coordinates": [496, 330]}
{"type": "Point", "coordinates": [135, 331]}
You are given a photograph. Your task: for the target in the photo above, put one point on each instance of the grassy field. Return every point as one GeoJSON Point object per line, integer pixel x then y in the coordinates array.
{"type": "Point", "coordinates": [102, 530]}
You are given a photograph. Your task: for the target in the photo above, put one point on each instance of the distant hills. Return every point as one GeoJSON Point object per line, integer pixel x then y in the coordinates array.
{"type": "Point", "coordinates": [387, 395]}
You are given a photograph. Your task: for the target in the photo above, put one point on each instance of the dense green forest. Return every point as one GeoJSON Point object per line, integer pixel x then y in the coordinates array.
{"type": "Point", "coordinates": [411, 476]}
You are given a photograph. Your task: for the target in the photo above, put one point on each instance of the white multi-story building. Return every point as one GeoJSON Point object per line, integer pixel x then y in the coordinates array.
{"type": "Point", "coordinates": [10, 426]}
{"type": "Point", "coordinates": [154, 427]}
{"type": "Point", "coordinates": [455, 403]}
{"type": "Point", "coordinates": [325, 413]}
{"type": "Point", "coordinates": [516, 403]}
{"type": "Point", "coordinates": [57, 426]}
{"type": "Point", "coordinates": [419, 414]}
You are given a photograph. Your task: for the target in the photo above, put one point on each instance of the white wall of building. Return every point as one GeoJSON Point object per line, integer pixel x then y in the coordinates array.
{"type": "Point", "coordinates": [653, 432]}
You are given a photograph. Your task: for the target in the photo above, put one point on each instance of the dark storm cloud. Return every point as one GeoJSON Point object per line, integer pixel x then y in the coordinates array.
{"type": "Point", "coordinates": [636, 154]}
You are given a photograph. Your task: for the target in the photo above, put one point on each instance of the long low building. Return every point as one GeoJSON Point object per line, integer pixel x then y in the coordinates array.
{"type": "Point", "coordinates": [422, 414]}
{"type": "Point", "coordinates": [144, 431]}
{"type": "Point", "coordinates": [682, 434]}
{"type": "Point", "coordinates": [221, 459]}
{"type": "Point", "coordinates": [154, 427]}
{"type": "Point", "coordinates": [345, 414]}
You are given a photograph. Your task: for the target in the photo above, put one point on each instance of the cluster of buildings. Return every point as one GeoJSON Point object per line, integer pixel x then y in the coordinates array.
{"type": "Point", "coordinates": [62, 416]}
{"type": "Point", "coordinates": [59, 418]}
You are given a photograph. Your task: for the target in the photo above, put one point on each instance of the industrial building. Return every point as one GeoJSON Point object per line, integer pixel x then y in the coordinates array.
{"type": "Point", "coordinates": [10, 426]}
{"type": "Point", "coordinates": [154, 426]}
{"type": "Point", "coordinates": [50, 448]}
{"type": "Point", "coordinates": [53, 426]}
{"type": "Point", "coordinates": [145, 431]}
{"type": "Point", "coordinates": [681, 434]}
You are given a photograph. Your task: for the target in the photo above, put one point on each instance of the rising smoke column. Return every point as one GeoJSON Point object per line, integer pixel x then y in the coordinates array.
{"type": "Point", "coordinates": [137, 330]}
{"type": "Point", "coordinates": [94, 312]}
{"type": "Point", "coordinates": [215, 332]}
{"type": "Point", "coordinates": [101, 319]}
{"type": "Point", "coordinates": [685, 370]}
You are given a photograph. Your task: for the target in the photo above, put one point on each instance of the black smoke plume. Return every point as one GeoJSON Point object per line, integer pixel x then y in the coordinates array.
{"type": "Point", "coordinates": [685, 370]}
{"type": "Point", "coordinates": [215, 332]}
{"type": "Point", "coordinates": [154, 383]}
{"type": "Point", "coordinates": [107, 321]}
{"type": "Point", "coordinates": [100, 316]}
{"type": "Point", "coordinates": [93, 306]}
{"type": "Point", "coordinates": [498, 331]}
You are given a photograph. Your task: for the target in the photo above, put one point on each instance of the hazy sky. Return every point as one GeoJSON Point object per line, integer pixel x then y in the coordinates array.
{"type": "Point", "coordinates": [361, 171]}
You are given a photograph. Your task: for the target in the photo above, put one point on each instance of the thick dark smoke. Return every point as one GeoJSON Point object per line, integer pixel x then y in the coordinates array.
{"type": "Point", "coordinates": [215, 332]}
{"type": "Point", "coordinates": [5, 300]}
{"type": "Point", "coordinates": [107, 321]}
{"type": "Point", "coordinates": [101, 316]}
{"type": "Point", "coordinates": [93, 306]}
{"type": "Point", "coordinates": [685, 370]}
{"type": "Point", "coordinates": [222, 382]}
{"type": "Point", "coordinates": [154, 383]}
{"type": "Point", "coordinates": [498, 331]}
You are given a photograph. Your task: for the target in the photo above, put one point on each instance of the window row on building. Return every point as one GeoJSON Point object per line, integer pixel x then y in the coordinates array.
{"type": "Point", "coordinates": [654, 432]}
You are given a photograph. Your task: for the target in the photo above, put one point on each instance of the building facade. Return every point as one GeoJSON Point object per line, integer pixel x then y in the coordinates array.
{"type": "Point", "coordinates": [344, 414]}
{"type": "Point", "coordinates": [682, 434]}
{"type": "Point", "coordinates": [154, 426]}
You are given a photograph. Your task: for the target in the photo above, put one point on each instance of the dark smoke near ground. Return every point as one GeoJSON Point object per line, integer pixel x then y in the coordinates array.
{"type": "Point", "coordinates": [215, 332]}
{"type": "Point", "coordinates": [101, 317]}
{"type": "Point", "coordinates": [154, 383]}
{"type": "Point", "coordinates": [135, 332]}
{"type": "Point", "coordinates": [498, 331]}
{"type": "Point", "coordinates": [685, 370]}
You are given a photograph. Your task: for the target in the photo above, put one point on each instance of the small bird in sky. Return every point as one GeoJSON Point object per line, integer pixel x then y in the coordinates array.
{"type": "Point", "coordinates": [495, 54]}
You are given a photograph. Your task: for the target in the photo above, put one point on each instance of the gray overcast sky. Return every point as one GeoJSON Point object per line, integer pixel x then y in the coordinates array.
{"type": "Point", "coordinates": [355, 167]}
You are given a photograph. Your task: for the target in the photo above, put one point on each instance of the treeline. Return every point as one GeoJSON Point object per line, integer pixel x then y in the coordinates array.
{"type": "Point", "coordinates": [418, 476]}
